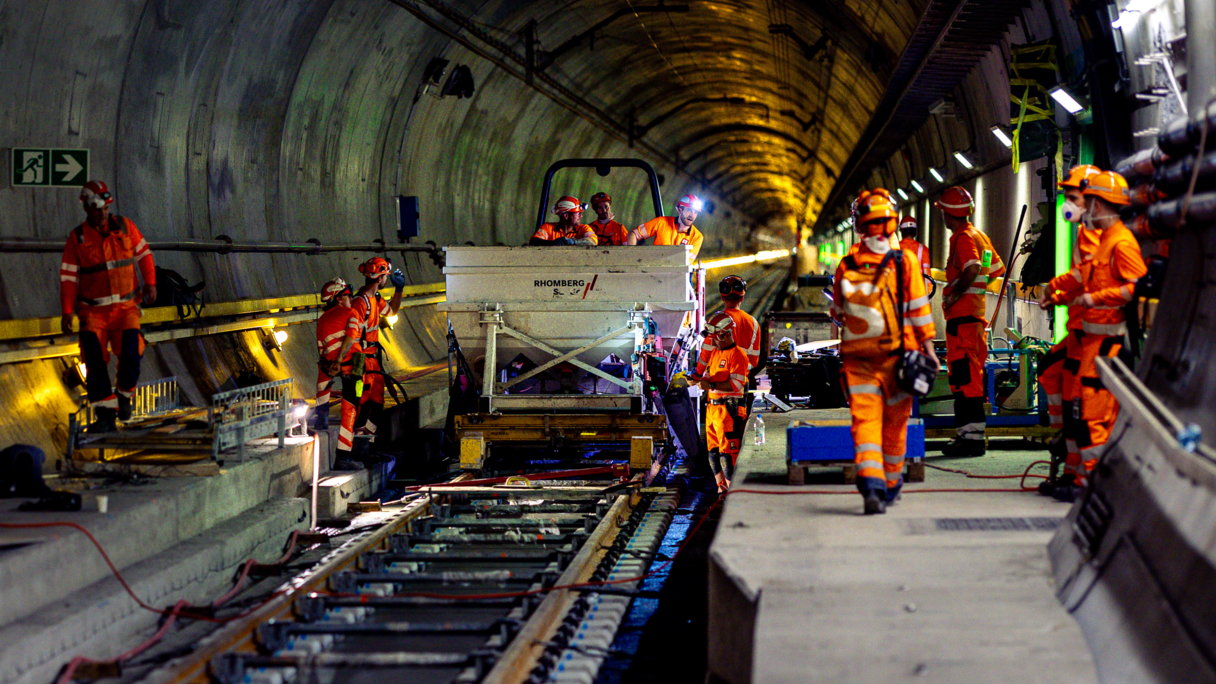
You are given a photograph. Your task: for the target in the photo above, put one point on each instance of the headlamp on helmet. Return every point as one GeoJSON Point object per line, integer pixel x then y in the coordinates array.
{"type": "Point", "coordinates": [96, 195]}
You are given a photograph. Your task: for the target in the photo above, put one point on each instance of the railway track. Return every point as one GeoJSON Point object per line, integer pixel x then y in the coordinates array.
{"type": "Point", "coordinates": [464, 584]}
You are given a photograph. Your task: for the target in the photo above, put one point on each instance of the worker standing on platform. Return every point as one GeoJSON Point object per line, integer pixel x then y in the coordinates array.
{"type": "Point", "coordinates": [971, 264]}
{"type": "Point", "coordinates": [725, 379]}
{"type": "Point", "coordinates": [608, 232]}
{"type": "Point", "coordinates": [363, 327]}
{"type": "Point", "coordinates": [746, 331]}
{"type": "Point", "coordinates": [908, 229]}
{"type": "Point", "coordinates": [569, 230]}
{"type": "Point", "coordinates": [870, 288]}
{"type": "Point", "coordinates": [331, 333]}
{"type": "Point", "coordinates": [1058, 368]}
{"type": "Point", "coordinates": [1109, 280]}
{"type": "Point", "coordinates": [97, 282]}
{"type": "Point", "coordinates": [673, 230]}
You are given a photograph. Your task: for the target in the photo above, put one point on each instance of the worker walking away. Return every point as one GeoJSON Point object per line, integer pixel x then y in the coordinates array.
{"type": "Point", "coordinates": [1058, 368]}
{"type": "Point", "coordinates": [908, 229]}
{"type": "Point", "coordinates": [331, 333]}
{"type": "Point", "coordinates": [673, 230]}
{"type": "Point", "coordinates": [746, 331]}
{"type": "Point", "coordinates": [608, 232]}
{"type": "Point", "coordinates": [368, 308]}
{"type": "Point", "coordinates": [569, 230]}
{"type": "Point", "coordinates": [97, 282]}
{"type": "Point", "coordinates": [871, 288]}
{"type": "Point", "coordinates": [725, 379]}
{"type": "Point", "coordinates": [970, 266]}
{"type": "Point", "coordinates": [1109, 282]}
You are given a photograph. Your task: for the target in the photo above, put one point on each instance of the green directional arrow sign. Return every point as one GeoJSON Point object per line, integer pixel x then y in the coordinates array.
{"type": "Point", "coordinates": [69, 167]}
{"type": "Point", "coordinates": [31, 167]}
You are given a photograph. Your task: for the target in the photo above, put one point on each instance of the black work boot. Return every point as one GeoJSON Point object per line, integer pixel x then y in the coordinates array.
{"type": "Point", "coordinates": [963, 448]}
{"type": "Point", "coordinates": [103, 420]}
{"type": "Point", "coordinates": [320, 417]}
{"type": "Point", "coordinates": [124, 408]}
{"type": "Point", "coordinates": [874, 504]}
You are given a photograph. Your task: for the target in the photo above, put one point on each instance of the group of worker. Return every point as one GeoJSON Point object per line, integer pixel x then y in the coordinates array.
{"type": "Point", "coordinates": [607, 231]}
{"type": "Point", "coordinates": [349, 350]}
{"type": "Point", "coordinates": [880, 302]}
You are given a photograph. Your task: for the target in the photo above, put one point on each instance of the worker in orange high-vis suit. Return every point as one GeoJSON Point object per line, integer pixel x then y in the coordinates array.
{"type": "Point", "coordinates": [861, 199]}
{"type": "Point", "coordinates": [569, 230]}
{"type": "Point", "coordinates": [971, 264]}
{"type": "Point", "coordinates": [865, 302]}
{"type": "Point", "coordinates": [908, 230]}
{"type": "Point", "coordinates": [97, 282]}
{"type": "Point", "coordinates": [608, 231]}
{"type": "Point", "coordinates": [746, 331]}
{"type": "Point", "coordinates": [1058, 368]}
{"type": "Point", "coordinates": [673, 230]}
{"type": "Point", "coordinates": [331, 333]}
{"type": "Point", "coordinates": [1109, 283]}
{"type": "Point", "coordinates": [368, 309]}
{"type": "Point", "coordinates": [725, 380]}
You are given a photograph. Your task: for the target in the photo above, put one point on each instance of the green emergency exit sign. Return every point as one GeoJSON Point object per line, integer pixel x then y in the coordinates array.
{"type": "Point", "coordinates": [49, 167]}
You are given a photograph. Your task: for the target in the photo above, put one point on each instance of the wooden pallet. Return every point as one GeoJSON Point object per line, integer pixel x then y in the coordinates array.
{"type": "Point", "coordinates": [914, 471]}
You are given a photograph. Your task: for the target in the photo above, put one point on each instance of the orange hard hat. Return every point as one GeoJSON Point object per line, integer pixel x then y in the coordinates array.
{"type": "Point", "coordinates": [96, 194]}
{"type": "Point", "coordinates": [1107, 185]}
{"type": "Point", "coordinates": [718, 322]}
{"type": "Point", "coordinates": [956, 201]}
{"type": "Point", "coordinates": [1078, 174]}
{"type": "Point", "coordinates": [375, 267]}
{"type": "Point", "coordinates": [599, 197]}
{"type": "Point", "coordinates": [908, 223]}
{"type": "Point", "coordinates": [334, 289]}
{"type": "Point", "coordinates": [568, 205]}
{"type": "Point", "coordinates": [690, 201]}
{"type": "Point", "coordinates": [877, 206]}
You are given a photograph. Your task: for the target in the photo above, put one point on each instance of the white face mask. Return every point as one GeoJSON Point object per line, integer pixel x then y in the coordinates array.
{"type": "Point", "coordinates": [879, 244]}
{"type": "Point", "coordinates": [1072, 212]}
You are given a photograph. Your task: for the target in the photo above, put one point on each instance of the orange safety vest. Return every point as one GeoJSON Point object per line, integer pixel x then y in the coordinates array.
{"type": "Point", "coordinates": [727, 364]}
{"type": "Point", "coordinates": [915, 248]}
{"type": "Point", "coordinates": [611, 234]}
{"type": "Point", "coordinates": [747, 337]}
{"type": "Point", "coordinates": [331, 332]}
{"type": "Point", "coordinates": [366, 315]}
{"type": "Point", "coordinates": [1110, 279]}
{"type": "Point", "coordinates": [666, 232]}
{"type": "Point", "coordinates": [864, 299]}
{"type": "Point", "coordinates": [553, 231]}
{"type": "Point", "coordinates": [969, 246]}
{"type": "Point", "coordinates": [98, 269]}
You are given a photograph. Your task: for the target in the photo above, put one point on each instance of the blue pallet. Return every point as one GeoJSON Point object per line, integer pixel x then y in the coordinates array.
{"type": "Point", "coordinates": [834, 443]}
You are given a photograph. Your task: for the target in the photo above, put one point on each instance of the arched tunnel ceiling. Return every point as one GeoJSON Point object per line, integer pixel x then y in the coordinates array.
{"type": "Point", "coordinates": [762, 102]}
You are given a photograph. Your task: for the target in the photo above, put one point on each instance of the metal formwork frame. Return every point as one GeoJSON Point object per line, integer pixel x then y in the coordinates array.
{"type": "Point", "coordinates": [248, 413]}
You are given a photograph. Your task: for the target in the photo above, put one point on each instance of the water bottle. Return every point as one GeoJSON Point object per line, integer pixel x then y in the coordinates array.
{"type": "Point", "coordinates": [758, 429]}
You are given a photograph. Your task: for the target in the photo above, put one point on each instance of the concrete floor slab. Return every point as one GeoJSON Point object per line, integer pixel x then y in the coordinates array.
{"type": "Point", "coordinates": [837, 596]}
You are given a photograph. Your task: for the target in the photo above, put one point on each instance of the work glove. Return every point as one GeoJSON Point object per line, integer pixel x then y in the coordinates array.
{"type": "Point", "coordinates": [564, 241]}
{"type": "Point", "coordinates": [330, 368]}
{"type": "Point", "coordinates": [397, 278]}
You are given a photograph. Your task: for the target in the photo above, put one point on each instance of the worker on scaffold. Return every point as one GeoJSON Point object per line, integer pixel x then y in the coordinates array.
{"type": "Point", "coordinates": [880, 303]}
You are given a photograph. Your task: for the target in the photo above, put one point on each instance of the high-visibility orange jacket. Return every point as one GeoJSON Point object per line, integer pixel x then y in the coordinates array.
{"type": "Point", "coordinates": [98, 267]}
{"type": "Point", "coordinates": [747, 337]}
{"type": "Point", "coordinates": [915, 248]}
{"type": "Point", "coordinates": [610, 234]}
{"type": "Point", "coordinates": [727, 364]}
{"type": "Point", "coordinates": [968, 246]}
{"type": "Point", "coordinates": [331, 333]}
{"type": "Point", "coordinates": [666, 232]}
{"type": "Point", "coordinates": [553, 231]}
{"type": "Point", "coordinates": [864, 301]}
{"type": "Point", "coordinates": [364, 321]}
{"type": "Point", "coordinates": [1067, 287]}
{"type": "Point", "coordinates": [1109, 278]}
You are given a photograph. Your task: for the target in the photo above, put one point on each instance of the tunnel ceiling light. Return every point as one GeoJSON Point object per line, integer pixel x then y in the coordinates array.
{"type": "Point", "coordinates": [1066, 100]}
{"type": "Point", "coordinates": [1002, 136]}
{"type": "Point", "coordinates": [280, 336]}
{"type": "Point", "coordinates": [933, 172]}
{"type": "Point", "coordinates": [903, 195]}
{"type": "Point", "coordinates": [962, 159]}
{"type": "Point", "coordinates": [917, 186]}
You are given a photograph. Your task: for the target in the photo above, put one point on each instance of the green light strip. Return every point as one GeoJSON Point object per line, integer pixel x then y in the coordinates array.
{"type": "Point", "coordinates": [1063, 249]}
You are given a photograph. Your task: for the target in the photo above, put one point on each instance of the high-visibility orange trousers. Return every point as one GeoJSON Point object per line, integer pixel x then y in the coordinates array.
{"type": "Point", "coordinates": [1058, 376]}
{"type": "Point", "coordinates": [724, 434]}
{"type": "Point", "coordinates": [966, 351]}
{"type": "Point", "coordinates": [346, 432]}
{"type": "Point", "coordinates": [371, 403]}
{"type": "Point", "coordinates": [114, 327]}
{"type": "Point", "coordinates": [880, 413]}
{"type": "Point", "coordinates": [1098, 407]}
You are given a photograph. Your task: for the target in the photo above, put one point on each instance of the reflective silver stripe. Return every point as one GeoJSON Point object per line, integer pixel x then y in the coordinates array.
{"type": "Point", "coordinates": [1055, 400]}
{"type": "Point", "coordinates": [865, 389]}
{"type": "Point", "coordinates": [373, 328]}
{"type": "Point", "coordinates": [65, 266]}
{"type": "Point", "coordinates": [899, 397]}
{"type": "Point", "coordinates": [1110, 329]}
{"type": "Point", "coordinates": [867, 446]}
{"type": "Point", "coordinates": [977, 290]}
{"type": "Point", "coordinates": [98, 268]}
{"type": "Point", "coordinates": [112, 299]}
{"type": "Point", "coordinates": [1105, 308]}
{"type": "Point", "coordinates": [63, 277]}
{"type": "Point", "coordinates": [921, 320]}
{"type": "Point", "coordinates": [869, 464]}
{"type": "Point", "coordinates": [334, 336]}
{"type": "Point", "coordinates": [917, 303]}
{"type": "Point", "coordinates": [370, 427]}
{"type": "Point", "coordinates": [892, 458]}
{"type": "Point", "coordinates": [969, 263]}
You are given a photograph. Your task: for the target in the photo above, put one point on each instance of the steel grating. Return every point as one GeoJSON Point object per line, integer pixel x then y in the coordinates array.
{"type": "Point", "coordinates": [1044, 524]}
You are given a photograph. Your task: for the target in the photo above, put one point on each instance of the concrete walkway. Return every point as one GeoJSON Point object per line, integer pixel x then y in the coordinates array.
{"type": "Point", "coordinates": [804, 588]}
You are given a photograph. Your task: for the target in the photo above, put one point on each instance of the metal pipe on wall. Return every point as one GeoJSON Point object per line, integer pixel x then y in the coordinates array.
{"type": "Point", "coordinates": [222, 246]}
{"type": "Point", "coordinates": [1200, 60]}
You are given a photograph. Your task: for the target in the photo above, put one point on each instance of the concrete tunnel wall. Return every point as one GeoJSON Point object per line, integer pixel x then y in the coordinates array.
{"type": "Point", "coordinates": [272, 122]}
